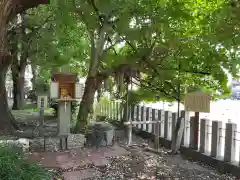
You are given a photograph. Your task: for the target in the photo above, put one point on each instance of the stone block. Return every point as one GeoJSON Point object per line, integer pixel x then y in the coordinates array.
{"type": "Point", "coordinates": [52, 144]}
{"type": "Point", "coordinates": [76, 141]}
{"type": "Point", "coordinates": [21, 144]}
{"type": "Point", "coordinates": [36, 144]}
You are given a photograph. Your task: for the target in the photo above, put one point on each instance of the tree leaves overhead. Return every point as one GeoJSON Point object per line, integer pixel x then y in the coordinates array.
{"type": "Point", "coordinates": [155, 37]}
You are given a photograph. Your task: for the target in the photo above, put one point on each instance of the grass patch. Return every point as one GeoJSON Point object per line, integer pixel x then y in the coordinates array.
{"type": "Point", "coordinates": [28, 112]}
{"type": "Point", "coordinates": [13, 166]}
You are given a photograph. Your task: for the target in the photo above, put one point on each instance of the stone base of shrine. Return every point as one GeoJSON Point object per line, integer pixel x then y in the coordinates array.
{"type": "Point", "coordinates": [72, 141]}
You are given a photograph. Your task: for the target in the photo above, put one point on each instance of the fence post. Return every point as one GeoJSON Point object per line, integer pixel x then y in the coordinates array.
{"type": "Point", "coordinates": [138, 116]}
{"type": "Point", "coordinates": [148, 117]}
{"type": "Point", "coordinates": [117, 111]}
{"type": "Point", "coordinates": [186, 132]}
{"type": "Point", "coordinates": [167, 120]}
{"type": "Point", "coordinates": [193, 124]}
{"type": "Point", "coordinates": [154, 118]}
{"type": "Point", "coordinates": [230, 143]}
{"type": "Point", "coordinates": [106, 107]}
{"type": "Point", "coordinates": [155, 129]}
{"type": "Point", "coordinates": [135, 115]}
{"type": "Point", "coordinates": [121, 110]}
{"type": "Point", "coordinates": [204, 123]}
{"type": "Point", "coordinates": [114, 110]}
{"type": "Point", "coordinates": [217, 141]}
{"type": "Point", "coordinates": [110, 110]}
{"type": "Point", "coordinates": [132, 109]}
{"type": "Point", "coordinates": [143, 117]}
{"type": "Point", "coordinates": [161, 124]}
{"type": "Point", "coordinates": [150, 126]}
{"type": "Point", "coordinates": [174, 121]}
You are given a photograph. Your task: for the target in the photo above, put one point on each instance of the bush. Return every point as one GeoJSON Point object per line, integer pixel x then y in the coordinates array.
{"type": "Point", "coordinates": [14, 167]}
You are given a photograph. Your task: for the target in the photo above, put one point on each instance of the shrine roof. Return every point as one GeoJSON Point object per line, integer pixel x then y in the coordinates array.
{"type": "Point", "coordinates": [64, 77]}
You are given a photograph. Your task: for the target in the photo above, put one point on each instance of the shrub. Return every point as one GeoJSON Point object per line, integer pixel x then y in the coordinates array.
{"type": "Point", "coordinates": [14, 167]}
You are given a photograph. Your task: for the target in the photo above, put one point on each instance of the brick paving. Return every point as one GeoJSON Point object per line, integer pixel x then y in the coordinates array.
{"type": "Point", "coordinates": [77, 163]}
{"type": "Point", "coordinates": [81, 174]}
{"type": "Point", "coordinates": [120, 162]}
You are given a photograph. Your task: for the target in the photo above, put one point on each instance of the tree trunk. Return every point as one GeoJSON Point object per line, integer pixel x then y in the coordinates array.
{"type": "Point", "coordinates": [5, 60]}
{"type": "Point", "coordinates": [8, 10]}
{"type": "Point", "coordinates": [126, 112]}
{"type": "Point", "coordinates": [34, 75]}
{"type": "Point", "coordinates": [6, 117]}
{"type": "Point", "coordinates": [86, 105]}
{"type": "Point", "coordinates": [19, 66]}
{"type": "Point", "coordinates": [18, 88]}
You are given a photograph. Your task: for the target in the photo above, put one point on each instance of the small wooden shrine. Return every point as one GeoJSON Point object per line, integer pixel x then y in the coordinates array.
{"type": "Point", "coordinates": [64, 90]}
{"type": "Point", "coordinates": [65, 87]}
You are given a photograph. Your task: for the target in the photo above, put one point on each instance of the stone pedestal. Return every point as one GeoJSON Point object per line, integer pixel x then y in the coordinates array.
{"type": "Point", "coordinates": [64, 118]}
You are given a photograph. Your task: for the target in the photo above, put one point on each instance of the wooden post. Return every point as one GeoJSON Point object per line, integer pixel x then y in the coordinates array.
{"type": "Point", "coordinates": [41, 118]}
{"type": "Point", "coordinates": [155, 129]}
{"type": "Point", "coordinates": [117, 111]}
{"type": "Point", "coordinates": [196, 130]}
{"type": "Point", "coordinates": [138, 118]}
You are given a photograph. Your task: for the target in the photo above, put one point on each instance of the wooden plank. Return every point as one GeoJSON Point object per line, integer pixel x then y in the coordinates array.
{"type": "Point", "coordinates": [197, 102]}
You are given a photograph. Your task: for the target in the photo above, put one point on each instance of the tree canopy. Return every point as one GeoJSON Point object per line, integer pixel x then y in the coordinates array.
{"type": "Point", "coordinates": [156, 45]}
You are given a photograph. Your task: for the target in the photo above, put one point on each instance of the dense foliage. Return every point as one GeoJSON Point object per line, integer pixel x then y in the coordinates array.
{"type": "Point", "coordinates": [161, 47]}
{"type": "Point", "coordinates": [14, 167]}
